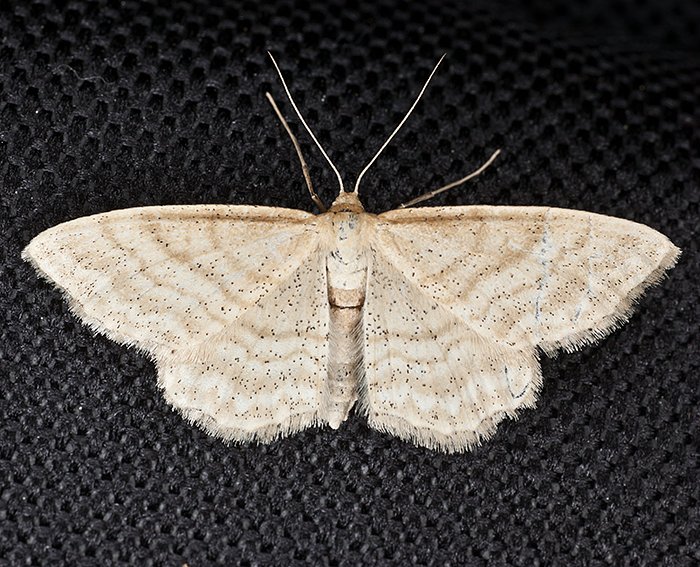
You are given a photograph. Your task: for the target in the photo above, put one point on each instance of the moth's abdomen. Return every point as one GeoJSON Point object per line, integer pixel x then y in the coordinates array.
{"type": "Point", "coordinates": [344, 362]}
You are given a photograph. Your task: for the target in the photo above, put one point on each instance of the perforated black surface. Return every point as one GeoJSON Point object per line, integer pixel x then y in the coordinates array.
{"type": "Point", "coordinates": [106, 105]}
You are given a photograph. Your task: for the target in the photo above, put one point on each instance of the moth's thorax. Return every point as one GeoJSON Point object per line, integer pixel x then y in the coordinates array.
{"type": "Point", "coordinates": [346, 262]}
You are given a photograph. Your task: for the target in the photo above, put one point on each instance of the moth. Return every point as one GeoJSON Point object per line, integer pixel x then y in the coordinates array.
{"type": "Point", "coordinates": [263, 321]}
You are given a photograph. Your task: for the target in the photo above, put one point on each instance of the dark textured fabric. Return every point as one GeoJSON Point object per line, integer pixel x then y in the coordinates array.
{"type": "Point", "coordinates": [111, 104]}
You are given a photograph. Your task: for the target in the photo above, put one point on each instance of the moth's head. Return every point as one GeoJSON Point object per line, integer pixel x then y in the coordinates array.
{"type": "Point", "coordinates": [347, 202]}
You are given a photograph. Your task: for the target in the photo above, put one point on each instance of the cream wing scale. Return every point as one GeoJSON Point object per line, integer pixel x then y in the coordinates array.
{"type": "Point", "coordinates": [461, 299]}
{"type": "Point", "coordinates": [230, 302]}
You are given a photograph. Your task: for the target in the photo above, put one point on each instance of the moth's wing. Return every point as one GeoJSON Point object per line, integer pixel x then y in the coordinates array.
{"type": "Point", "coordinates": [428, 377]}
{"type": "Point", "coordinates": [265, 376]}
{"type": "Point", "coordinates": [501, 282]}
{"type": "Point", "coordinates": [170, 276]}
{"type": "Point", "coordinates": [213, 293]}
{"type": "Point", "coordinates": [527, 276]}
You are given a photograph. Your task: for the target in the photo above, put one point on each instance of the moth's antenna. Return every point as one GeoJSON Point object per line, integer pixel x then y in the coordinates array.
{"type": "Point", "coordinates": [431, 194]}
{"type": "Point", "coordinates": [410, 110]}
{"type": "Point", "coordinates": [304, 168]}
{"type": "Point", "coordinates": [289, 96]}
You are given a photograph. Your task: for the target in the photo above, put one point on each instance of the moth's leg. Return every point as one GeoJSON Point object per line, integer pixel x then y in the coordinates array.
{"type": "Point", "coordinates": [304, 168]}
{"type": "Point", "coordinates": [431, 194]}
